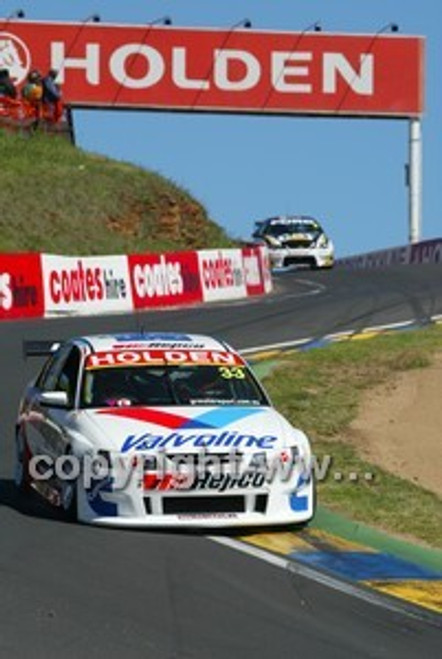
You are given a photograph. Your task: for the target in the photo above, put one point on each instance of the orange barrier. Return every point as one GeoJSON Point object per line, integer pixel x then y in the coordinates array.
{"type": "Point", "coordinates": [21, 110]}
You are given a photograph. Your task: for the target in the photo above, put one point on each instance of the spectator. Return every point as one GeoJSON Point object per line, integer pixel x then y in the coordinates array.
{"type": "Point", "coordinates": [52, 95]}
{"type": "Point", "coordinates": [32, 92]}
{"type": "Point", "coordinates": [7, 87]}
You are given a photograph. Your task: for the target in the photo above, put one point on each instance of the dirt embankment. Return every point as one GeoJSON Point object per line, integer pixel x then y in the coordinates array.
{"type": "Point", "coordinates": [399, 426]}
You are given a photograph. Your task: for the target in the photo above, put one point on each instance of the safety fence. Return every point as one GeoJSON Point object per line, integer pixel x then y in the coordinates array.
{"type": "Point", "coordinates": [47, 285]}
{"type": "Point", "coordinates": [21, 116]}
{"type": "Point", "coordinates": [21, 110]}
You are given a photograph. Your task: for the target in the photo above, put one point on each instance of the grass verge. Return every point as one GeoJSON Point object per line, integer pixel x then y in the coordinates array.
{"type": "Point", "coordinates": [57, 198]}
{"type": "Point", "coordinates": [320, 392]}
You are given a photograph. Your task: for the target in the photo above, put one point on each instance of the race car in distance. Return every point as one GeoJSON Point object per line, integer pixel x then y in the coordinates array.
{"type": "Point", "coordinates": [295, 240]}
{"type": "Point", "coordinates": [159, 429]}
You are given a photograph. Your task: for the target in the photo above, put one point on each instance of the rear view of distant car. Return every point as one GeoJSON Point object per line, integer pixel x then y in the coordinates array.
{"type": "Point", "coordinates": [294, 240]}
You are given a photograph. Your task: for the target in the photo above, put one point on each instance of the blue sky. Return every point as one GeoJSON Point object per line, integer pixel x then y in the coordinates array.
{"type": "Point", "coordinates": [347, 173]}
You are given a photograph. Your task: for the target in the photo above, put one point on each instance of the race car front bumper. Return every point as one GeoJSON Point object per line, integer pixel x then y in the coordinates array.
{"type": "Point", "coordinates": [275, 504]}
{"type": "Point", "coordinates": [282, 257]}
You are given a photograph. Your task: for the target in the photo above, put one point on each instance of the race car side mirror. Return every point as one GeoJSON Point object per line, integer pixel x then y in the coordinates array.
{"type": "Point", "coordinates": [53, 399]}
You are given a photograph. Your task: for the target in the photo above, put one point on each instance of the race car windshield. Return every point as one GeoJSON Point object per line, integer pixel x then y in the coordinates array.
{"type": "Point", "coordinates": [277, 230]}
{"type": "Point", "coordinates": [170, 385]}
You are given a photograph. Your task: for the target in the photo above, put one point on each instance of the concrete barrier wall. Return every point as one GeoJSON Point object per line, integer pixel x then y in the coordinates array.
{"type": "Point", "coordinates": [428, 251]}
{"type": "Point", "coordinates": [48, 285]}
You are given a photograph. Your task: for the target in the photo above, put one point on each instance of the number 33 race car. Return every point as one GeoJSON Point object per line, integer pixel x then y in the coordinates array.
{"type": "Point", "coordinates": [156, 429]}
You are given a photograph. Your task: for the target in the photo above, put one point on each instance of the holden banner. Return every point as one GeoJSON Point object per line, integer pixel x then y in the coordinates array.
{"type": "Point", "coordinates": [236, 70]}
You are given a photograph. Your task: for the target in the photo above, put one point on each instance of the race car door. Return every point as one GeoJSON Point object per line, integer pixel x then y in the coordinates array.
{"type": "Point", "coordinates": [46, 420]}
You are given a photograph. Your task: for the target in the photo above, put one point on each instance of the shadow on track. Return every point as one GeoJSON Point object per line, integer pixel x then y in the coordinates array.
{"type": "Point", "coordinates": [30, 504]}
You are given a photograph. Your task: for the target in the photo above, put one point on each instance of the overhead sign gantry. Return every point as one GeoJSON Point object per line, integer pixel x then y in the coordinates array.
{"type": "Point", "coordinates": [155, 67]}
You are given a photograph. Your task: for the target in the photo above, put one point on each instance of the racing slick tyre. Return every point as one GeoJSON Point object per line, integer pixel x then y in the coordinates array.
{"type": "Point", "coordinates": [69, 497]}
{"type": "Point", "coordinates": [21, 464]}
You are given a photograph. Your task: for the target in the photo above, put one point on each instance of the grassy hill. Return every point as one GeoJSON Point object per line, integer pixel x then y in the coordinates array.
{"type": "Point", "coordinates": [57, 198]}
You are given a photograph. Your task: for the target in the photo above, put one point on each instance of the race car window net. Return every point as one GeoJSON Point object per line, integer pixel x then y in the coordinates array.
{"type": "Point", "coordinates": [170, 385]}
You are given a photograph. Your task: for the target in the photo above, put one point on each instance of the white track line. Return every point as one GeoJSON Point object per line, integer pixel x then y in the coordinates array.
{"type": "Point", "coordinates": [295, 567]}
{"type": "Point", "coordinates": [335, 335]}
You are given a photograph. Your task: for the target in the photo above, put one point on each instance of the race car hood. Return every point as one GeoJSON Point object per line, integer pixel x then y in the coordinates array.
{"type": "Point", "coordinates": [184, 429]}
{"type": "Point", "coordinates": [291, 239]}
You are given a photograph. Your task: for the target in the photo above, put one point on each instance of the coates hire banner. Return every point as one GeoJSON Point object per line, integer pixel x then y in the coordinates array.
{"type": "Point", "coordinates": [160, 280]}
{"type": "Point", "coordinates": [85, 285]}
{"type": "Point", "coordinates": [21, 289]}
{"type": "Point", "coordinates": [233, 70]}
{"type": "Point", "coordinates": [222, 274]}
{"type": "Point", "coordinates": [256, 266]}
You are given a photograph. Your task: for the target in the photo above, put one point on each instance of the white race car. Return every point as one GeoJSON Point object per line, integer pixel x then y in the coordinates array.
{"type": "Point", "coordinates": [295, 240]}
{"type": "Point", "coordinates": [159, 429]}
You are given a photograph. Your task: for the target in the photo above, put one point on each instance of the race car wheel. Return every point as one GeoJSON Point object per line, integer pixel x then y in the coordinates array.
{"type": "Point", "coordinates": [69, 499]}
{"type": "Point", "coordinates": [21, 465]}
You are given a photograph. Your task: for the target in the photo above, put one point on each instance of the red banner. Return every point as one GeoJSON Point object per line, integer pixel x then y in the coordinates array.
{"type": "Point", "coordinates": [152, 357]}
{"type": "Point", "coordinates": [160, 280]}
{"type": "Point", "coordinates": [21, 287]}
{"type": "Point", "coordinates": [221, 70]}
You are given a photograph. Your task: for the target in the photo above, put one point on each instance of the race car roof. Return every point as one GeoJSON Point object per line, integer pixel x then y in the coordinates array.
{"type": "Point", "coordinates": [289, 219]}
{"type": "Point", "coordinates": [154, 340]}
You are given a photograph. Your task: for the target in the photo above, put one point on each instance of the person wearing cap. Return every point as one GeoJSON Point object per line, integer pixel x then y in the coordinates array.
{"type": "Point", "coordinates": [32, 94]}
{"type": "Point", "coordinates": [33, 90]}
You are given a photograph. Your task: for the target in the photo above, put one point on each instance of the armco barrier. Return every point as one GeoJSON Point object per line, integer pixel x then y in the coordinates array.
{"type": "Point", "coordinates": [428, 251]}
{"type": "Point", "coordinates": [38, 285]}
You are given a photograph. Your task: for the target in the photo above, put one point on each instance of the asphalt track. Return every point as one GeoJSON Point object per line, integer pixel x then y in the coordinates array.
{"type": "Point", "coordinates": [73, 591]}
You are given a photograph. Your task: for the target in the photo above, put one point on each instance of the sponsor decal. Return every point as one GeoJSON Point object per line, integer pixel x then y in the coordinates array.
{"type": "Point", "coordinates": [163, 345]}
{"type": "Point", "coordinates": [228, 438]}
{"type": "Point", "coordinates": [152, 337]}
{"type": "Point", "coordinates": [215, 418]}
{"type": "Point", "coordinates": [206, 481]}
{"type": "Point", "coordinates": [223, 482]}
{"type": "Point", "coordinates": [146, 357]}
{"type": "Point", "coordinates": [249, 71]}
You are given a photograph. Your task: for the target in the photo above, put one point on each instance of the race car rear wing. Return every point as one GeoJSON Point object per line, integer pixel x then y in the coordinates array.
{"type": "Point", "coordinates": [40, 348]}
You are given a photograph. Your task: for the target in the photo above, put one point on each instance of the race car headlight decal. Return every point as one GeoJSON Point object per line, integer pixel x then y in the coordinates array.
{"type": "Point", "coordinates": [272, 241]}
{"type": "Point", "coordinates": [322, 241]}
{"type": "Point", "coordinates": [150, 463]}
{"type": "Point", "coordinates": [258, 462]}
